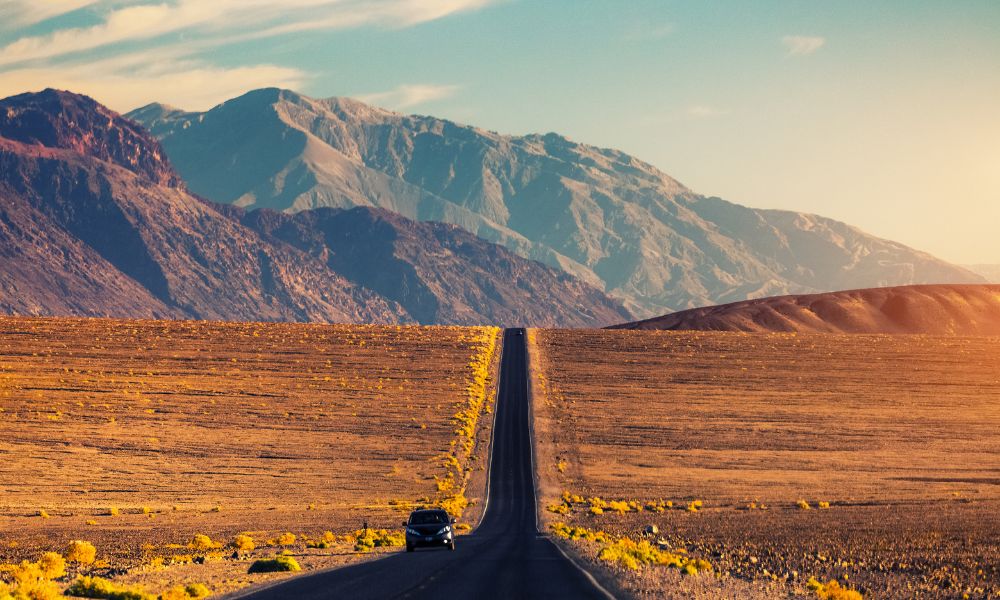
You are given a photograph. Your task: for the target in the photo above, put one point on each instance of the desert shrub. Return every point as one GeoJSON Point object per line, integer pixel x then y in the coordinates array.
{"type": "Point", "coordinates": [53, 565]}
{"type": "Point", "coordinates": [202, 542]}
{"type": "Point", "coordinates": [832, 590]}
{"type": "Point", "coordinates": [694, 506]}
{"type": "Point", "coordinates": [275, 565]}
{"type": "Point", "coordinates": [803, 505]}
{"type": "Point", "coordinates": [558, 508]}
{"type": "Point", "coordinates": [824, 504]}
{"type": "Point", "coordinates": [97, 587]}
{"type": "Point", "coordinates": [328, 537]}
{"type": "Point", "coordinates": [244, 543]}
{"type": "Point", "coordinates": [286, 539]}
{"type": "Point", "coordinates": [43, 514]}
{"type": "Point", "coordinates": [366, 540]}
{"type": "Point", "coordinates": [29, 583]}
{"type": "Point", "coordinates": [81, 552]}
{"type": "Point", "coordinates": [91, 522]}
{"type": "Point", "coordinates": [186, 592]}
{"type": "Point", "coordinates": [596, 510]}
{"type": "Point", "coordinates": [619, 506]}
{"type": "Point", "coordinates": [113, 511]}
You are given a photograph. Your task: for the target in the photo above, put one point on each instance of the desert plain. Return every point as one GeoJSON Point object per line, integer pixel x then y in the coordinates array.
{"type": "Point", "coordinates": [137, 436]}
{"type": "Point", "coordinates": [871, 460]}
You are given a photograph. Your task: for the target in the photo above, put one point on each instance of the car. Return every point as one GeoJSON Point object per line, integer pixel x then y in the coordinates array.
{"type": "Point", "coordinates": [431, 527]}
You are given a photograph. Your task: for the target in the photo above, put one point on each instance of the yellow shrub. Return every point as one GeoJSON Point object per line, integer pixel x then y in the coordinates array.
{"type": "Point", "coordinates": [244, 543]}
{"type": "Point", "coordinates": [186, 592]}
{"type": "Point", "coordinates": [618, 506]}
{"type": "Point", "coordinates": [803, 505]}
{"type": "Point", "coordinates": [202, 542]}
{"type": "Point", "coordinates": [832, 590]}
{"type": "Point", "coordinates": [97, 587]}
{"type": "Point", "coordinates": [286, 539]}
{"type": "Point", "coordinates": [81, 552]}
{"type": "Point", "coordinates": [53, 565]}
{"type": "Point", "coordinates": [559, 509]}
{"type": "Point", "coordinates": [824, 504]}
{"type": "Point", "coordinates": [43, 514]}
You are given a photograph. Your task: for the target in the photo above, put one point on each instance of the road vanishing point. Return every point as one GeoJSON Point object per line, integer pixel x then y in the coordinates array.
{"type": "Point", "coordinates": [504, 557]}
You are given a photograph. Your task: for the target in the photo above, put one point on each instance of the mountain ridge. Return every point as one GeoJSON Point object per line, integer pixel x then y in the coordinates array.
{"type": "Point", "coordinates": [919, 309]}
{"type": "Point", "coordinates": [596, 213]}
{"type": "Point", "coordinates": [95, 222]}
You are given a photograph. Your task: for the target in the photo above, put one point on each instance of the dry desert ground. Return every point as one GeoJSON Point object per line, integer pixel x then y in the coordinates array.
{"type": "Point", "coordinates": [137, 436]}
{"type": "Point", "coordinates": [764, 460]}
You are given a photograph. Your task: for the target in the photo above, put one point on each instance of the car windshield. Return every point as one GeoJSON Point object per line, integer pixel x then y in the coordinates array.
{"type": "Point", "coordinates": [428, 518]}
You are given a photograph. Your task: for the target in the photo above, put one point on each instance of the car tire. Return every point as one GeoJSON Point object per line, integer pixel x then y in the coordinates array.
{"type": "Point", "coordinates": [409, 548]}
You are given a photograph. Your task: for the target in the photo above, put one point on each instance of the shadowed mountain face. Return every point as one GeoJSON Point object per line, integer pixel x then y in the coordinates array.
{"type": "Point", "coordinates": [598, 214]}
{"type": "Point", "coordinates": [94, 222]}
{"type": "Point", "coordinates": [927, 309]}
{"type": "Point", "coordinates": [439, 273]}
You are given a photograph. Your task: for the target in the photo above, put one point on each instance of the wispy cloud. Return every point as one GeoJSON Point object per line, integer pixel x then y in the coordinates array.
{"type": "Point", "coordinates": [133, 81]}
{"type": "Point", "coordinates": [20, 13]}
{"type": "Point", "coordinates": [802, 45]}
{"type": "Point", "coordinates": [182, 30]}
{"type": "Point", "coordinates": [408, 95]}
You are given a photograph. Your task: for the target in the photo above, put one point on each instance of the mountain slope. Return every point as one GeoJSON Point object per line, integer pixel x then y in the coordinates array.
{"type": "Point", "coordinates": [598, 214]}
{"type": "Point", "coordinates": [439, 273]}
{"type": "Point", "coordinates": [927, 309]}
{"type": "Point", "coordinates": [95, 222]}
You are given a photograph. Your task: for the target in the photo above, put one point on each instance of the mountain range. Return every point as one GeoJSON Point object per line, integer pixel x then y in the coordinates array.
{"type": "Point", "coordinates": [917, 309]}
{"type": "Point", "coordinates": [989, 272]}
{"type": "Point", "coordinates": [94, 221]}
{"type": "Point", "coordinates": [600, 215]}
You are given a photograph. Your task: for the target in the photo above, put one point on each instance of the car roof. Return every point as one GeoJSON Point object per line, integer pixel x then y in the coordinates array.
{"type": "Point", "coordinates": [428, 510]}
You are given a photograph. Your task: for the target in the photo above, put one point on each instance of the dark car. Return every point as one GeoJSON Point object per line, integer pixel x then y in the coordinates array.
{"type": "Point", "coordinates": [429, 527]}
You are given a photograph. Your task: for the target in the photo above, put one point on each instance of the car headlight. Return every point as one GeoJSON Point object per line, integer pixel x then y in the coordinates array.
{"type": "Point", "coordinates": [412, 531]}
{"type": "Point", "coordinates": [444, 530]}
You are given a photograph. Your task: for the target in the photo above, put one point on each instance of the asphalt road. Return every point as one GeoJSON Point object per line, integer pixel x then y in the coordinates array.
{"type": "Point", "coordinates": [505, 557]}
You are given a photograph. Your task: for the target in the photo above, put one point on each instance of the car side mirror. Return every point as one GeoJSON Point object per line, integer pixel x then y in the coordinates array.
{"type": "Point", "coordinates": [454, 520]}
{"type": "Point", "coordinates": [404, 523]}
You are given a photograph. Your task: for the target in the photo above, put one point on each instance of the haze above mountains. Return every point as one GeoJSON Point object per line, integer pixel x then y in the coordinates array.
{"type": "Point", "coordinates": [600, 215]}
{"type": "Point", "coordinates": [95, 222]}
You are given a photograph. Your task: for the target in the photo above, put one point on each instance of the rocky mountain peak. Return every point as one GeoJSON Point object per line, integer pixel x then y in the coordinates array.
{"type": "Point", "coordinates": [68, 121]}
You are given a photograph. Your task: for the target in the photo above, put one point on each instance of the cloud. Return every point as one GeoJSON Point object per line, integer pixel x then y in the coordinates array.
{"type": "Point", "coordinates": [802, 45]}
{"type": "Point", "coordinates": [20, 13]}
{"type": "Point", "coordinates": [225, 20]}
{"type": "Point", "coordinates": [407, 95]}
{"type": "Point", "coordinates": [136, 80]}
{"type": "Point", "coordinates": [153, 45]}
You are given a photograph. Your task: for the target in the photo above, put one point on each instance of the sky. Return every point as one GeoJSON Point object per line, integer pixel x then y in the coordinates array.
{"type": "Point", "coordinates": [883, 114]}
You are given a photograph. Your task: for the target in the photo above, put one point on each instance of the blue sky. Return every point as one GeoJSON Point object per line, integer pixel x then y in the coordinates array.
{"type": "Point", "coordinates": [882, 114]}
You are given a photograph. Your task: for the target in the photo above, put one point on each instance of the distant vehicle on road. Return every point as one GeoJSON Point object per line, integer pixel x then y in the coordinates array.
{"type": "Point", "coordinates": [429, 527]}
